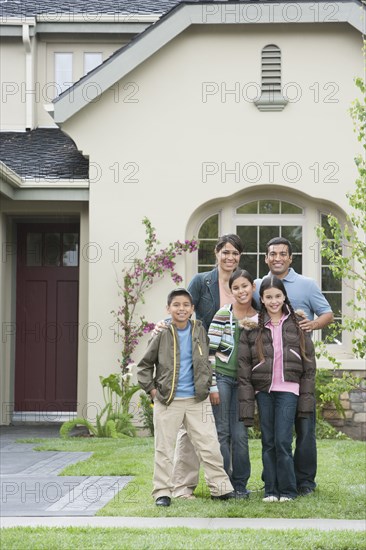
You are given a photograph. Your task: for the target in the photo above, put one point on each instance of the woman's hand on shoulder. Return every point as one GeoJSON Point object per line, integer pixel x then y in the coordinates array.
{"type": "Point", "coordinates": [159, 327]}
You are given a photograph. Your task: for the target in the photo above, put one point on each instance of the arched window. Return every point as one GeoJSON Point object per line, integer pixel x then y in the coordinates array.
{"type": "Point", "coordinates": [256, 221]}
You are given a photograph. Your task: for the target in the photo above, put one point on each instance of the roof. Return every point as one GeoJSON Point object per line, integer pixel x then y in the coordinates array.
{"type": "Point", "coordinates": [44, 153]}
{"type": "Point", "coordinates": [31, 8]}
{"type": "Point", "coordinates": [185, 14]}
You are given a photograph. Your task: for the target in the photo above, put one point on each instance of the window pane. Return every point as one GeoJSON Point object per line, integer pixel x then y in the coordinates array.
{"type": "Point", "coordinates": [266, 233]}
{"type": "Point", "coordinates": [336, 333]}
{"type": "Point", "coordinates": [210, 228]}
{"type": "Point", "coordinates": [248, 234]}
{"type": "Point", "coordinates": [293, 233]}
{"type": "Point", "coordinates": [52, 249]}
{"type": "Point", "coordinates": [206, 253]}
{"type": "Point", "coordinates": [326, 227]}
{"type": "Point", "coordinates": [263, 267]}
{"type": "Point", "coordinates": [63, 71]}
{"type": "Point", "coordinates": [269, 207]}
{"type": "Point", "coordinates": [249, 262]}
{"type": "Point", "coordinates": [70, 249]}
{"type": "Point", "coordinates": [92, 60]}
{"type": "Point", "coordinates": [329, 282]}
{"type": "Point", "coordinates": [297, 264]}
{"type": "Point", "coordinates": [249, 208]}
{"type": "Point", "coordinates": [34, 249]}
{"type": "Point", "coordinates": [335, 301]}
{"type": "Point", "coordinates": [288, 208]}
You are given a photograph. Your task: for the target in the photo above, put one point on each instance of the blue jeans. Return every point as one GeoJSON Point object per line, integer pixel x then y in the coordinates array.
{"type": "Point", "coordinates": [305, 453]}
{"type": "Point", "coordinates": [232, 433]}
{"type": "Point", "coordinates": [277, 412]}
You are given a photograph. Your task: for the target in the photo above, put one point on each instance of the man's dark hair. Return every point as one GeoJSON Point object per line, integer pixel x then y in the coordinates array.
{"type": "Point", "coordinates": [279, 240]}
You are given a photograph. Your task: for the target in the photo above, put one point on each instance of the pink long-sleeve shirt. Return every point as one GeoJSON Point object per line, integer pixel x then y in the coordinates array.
{"type": "Point", "coordinates": [278, 382]}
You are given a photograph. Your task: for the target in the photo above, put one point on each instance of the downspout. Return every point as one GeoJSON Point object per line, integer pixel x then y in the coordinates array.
{"type": "Point", "coordinates": [29, 78]}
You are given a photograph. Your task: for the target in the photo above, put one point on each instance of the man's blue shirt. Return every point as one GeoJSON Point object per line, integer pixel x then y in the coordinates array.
{"type": "Point", "coordinates": [303, 293]}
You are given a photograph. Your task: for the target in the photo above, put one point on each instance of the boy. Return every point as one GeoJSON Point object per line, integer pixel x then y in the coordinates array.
{"type": "Point", "coordinates": [179, 387]}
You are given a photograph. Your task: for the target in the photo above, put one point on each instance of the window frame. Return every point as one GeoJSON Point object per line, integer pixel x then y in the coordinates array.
{"type": "Point", "coordinates": [313, 209]}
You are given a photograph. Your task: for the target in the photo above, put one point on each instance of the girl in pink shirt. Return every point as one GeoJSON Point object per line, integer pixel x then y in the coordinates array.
{"type": "Point", "coordinates": [277, 369]}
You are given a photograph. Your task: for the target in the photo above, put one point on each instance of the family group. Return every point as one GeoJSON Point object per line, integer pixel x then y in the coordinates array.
{"type": "Point", "coordinates": [250, 342]}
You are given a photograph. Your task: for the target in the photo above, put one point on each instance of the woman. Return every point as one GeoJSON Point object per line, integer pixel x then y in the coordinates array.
{"type": "Point", "coordinates": [224, 338]}
{"type": "Point", "coordinates": [277, 368]}
{"type": "Point", "coordinates": [210, 291]}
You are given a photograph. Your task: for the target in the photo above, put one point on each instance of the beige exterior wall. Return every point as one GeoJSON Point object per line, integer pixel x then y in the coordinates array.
{"type": "Point", "coordinates": [148, 155]}
{"type": "Point", "coordinates": [12, 76]}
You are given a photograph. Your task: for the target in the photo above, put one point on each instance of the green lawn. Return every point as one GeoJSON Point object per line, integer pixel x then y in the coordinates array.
{"type": "Point", "coordinates": [169, 539]}
{"type": "Point", "coordinates": [341, 491]}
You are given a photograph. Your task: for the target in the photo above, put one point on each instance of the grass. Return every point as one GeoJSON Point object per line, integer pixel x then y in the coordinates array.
{"type": "Point", "coordinates": [120, 539]}
{"type": "Point", "coordinates": [341, 491]}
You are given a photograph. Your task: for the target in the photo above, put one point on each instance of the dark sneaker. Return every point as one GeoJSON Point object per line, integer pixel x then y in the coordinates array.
{"type": "Point", "coordinates": [241, 494]}
{"type": "Point", "coordinates": [163, 501]}
{"type": "Point", "coordinates": [305, 491]}
{"type": "Point", "coordinates": [227, 496]}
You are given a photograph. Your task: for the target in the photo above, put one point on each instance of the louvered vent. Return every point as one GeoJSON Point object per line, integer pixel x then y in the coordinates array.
{"type": "Point", "coordinates": [271, 69]}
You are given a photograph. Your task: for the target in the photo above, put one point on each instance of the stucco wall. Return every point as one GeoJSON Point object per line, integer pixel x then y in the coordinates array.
{"type": "Point", "coordinates": [149, 139]}
{"type": "Point", "coordinates": [12, 104]}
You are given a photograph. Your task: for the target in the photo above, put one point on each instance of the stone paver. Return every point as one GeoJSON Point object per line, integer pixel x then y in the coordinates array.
{"type": "Point", "coordinates": [30, 484]}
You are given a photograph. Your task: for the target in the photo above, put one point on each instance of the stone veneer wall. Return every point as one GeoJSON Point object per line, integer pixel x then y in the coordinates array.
{"type": "Point", "coordinates": [354, 403]}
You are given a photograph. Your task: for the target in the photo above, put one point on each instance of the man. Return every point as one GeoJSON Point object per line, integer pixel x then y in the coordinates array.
{"type": "Point", "coordinates": [303, 293]}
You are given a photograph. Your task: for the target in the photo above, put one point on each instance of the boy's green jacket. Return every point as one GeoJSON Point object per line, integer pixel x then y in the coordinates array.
{"type": "Point", "coordinates": [159, 368]}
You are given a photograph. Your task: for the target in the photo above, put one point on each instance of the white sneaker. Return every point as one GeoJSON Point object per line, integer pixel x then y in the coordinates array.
{"type": "Point", "coordinates": [270, 498]}
{"type": "Point", "coordinates": [285, 499]}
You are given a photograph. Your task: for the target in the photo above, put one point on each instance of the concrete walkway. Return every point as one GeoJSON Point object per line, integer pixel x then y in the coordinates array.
{"type": "Point", "coordinates": [30, 484]}
{"type": "Point", "coordinates": [33, 495]}
{"type": "Point", "coordinates": [192, 523]}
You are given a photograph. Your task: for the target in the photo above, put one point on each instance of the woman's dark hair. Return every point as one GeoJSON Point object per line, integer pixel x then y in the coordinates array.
{"type": "Point", "coordinates": [234, 240]}
{"type": "Point", "coordinates": [274, 282]}
{"type": "Point", "coordinates": [240, 273]}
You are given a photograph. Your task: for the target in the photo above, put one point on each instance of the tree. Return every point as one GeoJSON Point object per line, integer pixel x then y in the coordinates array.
{"type": "Point", "coordinates": [344, 247]}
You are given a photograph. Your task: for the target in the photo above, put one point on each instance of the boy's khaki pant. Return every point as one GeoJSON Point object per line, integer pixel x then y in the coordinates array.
{"type": "Point", "coordinates": [186, 467]}
{"type": "Point", "coordinates": [198, 420]}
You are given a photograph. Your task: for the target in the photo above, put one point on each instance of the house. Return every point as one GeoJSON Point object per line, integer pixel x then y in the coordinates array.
{"type": "Point", "coordinates": [206, 117]}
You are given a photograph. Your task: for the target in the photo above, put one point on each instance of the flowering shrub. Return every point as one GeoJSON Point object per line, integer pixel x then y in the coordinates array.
{"type": "Point", "coordinates": [136, 280]}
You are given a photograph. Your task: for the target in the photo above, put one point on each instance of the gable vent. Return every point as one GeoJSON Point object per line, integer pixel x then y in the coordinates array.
{"type": "Point", "coordinates": [271, 93]}
{"type": "Point", "coordinates": [271, 69]}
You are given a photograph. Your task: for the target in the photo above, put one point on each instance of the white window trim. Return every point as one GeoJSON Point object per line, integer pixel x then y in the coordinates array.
{"type": "Point", "coordinates": [311, 217]}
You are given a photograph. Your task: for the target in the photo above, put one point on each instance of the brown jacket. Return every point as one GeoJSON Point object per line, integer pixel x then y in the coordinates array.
{"type": "Point", "coordinates": [159, 367]}
{"type": "Point", "coordinates": [256, 375]}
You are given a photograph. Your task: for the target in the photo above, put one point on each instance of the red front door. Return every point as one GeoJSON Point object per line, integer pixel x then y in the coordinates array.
{"type": "Point", "coordinates": [47, 317]}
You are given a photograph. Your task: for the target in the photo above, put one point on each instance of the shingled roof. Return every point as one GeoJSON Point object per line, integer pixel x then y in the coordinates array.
{"type": "Point", "coordinates": [30, 8]}
{"type": "Point", "coordinates": [44, 153]}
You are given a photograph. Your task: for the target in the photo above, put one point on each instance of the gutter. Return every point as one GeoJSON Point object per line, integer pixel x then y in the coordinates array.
{"type": "Point", "coordinates": [29, 77]}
